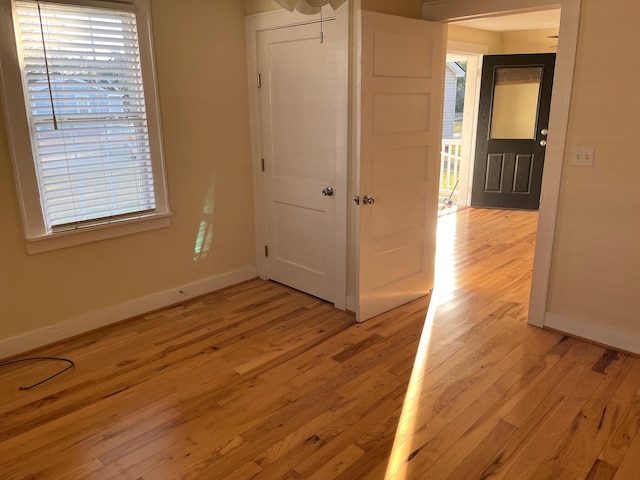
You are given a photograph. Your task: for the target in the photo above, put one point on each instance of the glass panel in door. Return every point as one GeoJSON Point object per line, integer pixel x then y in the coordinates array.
{"type": "Point", "coordinates": [515, 103]}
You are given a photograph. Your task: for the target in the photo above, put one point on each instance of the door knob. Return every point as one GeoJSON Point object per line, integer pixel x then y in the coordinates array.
{"type": "Point", "coordinates": [367, 200]}
{"type": "Point", "coordinates": [328, 192]}
{"type": "Point", "coordinates": [543, 143]}
{"type": "Point", "coordinates": [544, 131]}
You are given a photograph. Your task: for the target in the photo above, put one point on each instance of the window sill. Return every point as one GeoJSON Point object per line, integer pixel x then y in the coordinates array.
{"type": "Point", "coordinates": [58, 240]}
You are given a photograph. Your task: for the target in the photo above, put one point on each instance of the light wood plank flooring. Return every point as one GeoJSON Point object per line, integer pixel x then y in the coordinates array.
{"type": "Point", "coordinates": [260, 381]}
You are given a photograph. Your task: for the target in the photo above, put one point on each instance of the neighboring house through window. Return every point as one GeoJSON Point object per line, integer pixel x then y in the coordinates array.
{"type": "Point", "coordinates": [83, 120]}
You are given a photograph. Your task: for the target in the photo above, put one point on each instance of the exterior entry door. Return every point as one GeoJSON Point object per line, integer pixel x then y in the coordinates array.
{"type": "Point", "coordinates": [515, 96]}
{"type": "Point", "coordinates": [298, 108]}
{"type": "Point", "coordinates": [401, 95]}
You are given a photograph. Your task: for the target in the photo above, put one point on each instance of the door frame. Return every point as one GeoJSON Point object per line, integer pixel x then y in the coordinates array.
{"type": "Point", "coordinates": [474, 53]}
{"type": "Point", "coordinates": [254, 24]}
{"type": "Point", "coordinates": [451, 10]}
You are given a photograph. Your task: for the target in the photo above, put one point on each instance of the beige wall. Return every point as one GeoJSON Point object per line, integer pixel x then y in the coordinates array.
{"type": "Point", "coordinates": [201, 64]}
{"type": "Point", "coordinates": [492, 40]}
{"type": "Point", "coordinates": [530, 41]}
{"type": "Point", "coordinates": [596, 258]}
{"type": "Point", "coordinates": [259, 6]}
{"type": "Point", "coordinates": [527, 41]}
{"type": "Point", "coordinates": [401, 8]}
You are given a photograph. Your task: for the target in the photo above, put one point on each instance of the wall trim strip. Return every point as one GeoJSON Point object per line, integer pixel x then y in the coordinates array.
{"type": "Point", "coordinates": [25, 342]}
{"type": "Point", "coordinates": [605, 335]}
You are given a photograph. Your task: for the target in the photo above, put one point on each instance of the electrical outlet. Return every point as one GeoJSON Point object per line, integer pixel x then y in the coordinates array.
{"type": "Point", "coordinates": [582, 156]}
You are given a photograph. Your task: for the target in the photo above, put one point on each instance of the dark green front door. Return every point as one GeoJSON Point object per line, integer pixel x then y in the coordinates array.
{"type": "Point", "coordinates": [515, 96]}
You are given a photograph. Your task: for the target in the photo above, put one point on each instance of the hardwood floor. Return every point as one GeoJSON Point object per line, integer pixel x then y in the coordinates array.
{"type": "Point", "coordinates": [261, 381]}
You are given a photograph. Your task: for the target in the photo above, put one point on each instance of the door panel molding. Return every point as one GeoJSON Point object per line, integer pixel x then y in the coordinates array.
{"type": "Point", "coordinates": [398, 122]}
{"type": "Point", "coordinates": [522, 178]}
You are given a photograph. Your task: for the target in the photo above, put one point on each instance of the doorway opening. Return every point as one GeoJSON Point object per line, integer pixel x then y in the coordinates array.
{"type": "Point", "coordinates": [459, 121]}
{"type": "Point", "coordinates": [470, 40]}
{"type": "Point", "coordinates": [452, 122]}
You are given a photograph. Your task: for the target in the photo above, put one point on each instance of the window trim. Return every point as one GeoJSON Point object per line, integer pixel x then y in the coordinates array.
{"type": "Point", "coordinates": [38, 238]}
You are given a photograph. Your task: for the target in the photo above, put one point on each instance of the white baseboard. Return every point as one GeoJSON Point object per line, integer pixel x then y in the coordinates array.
{"type": "Point", "coordinates": [602, 334]}
{"type": "Point", "coordinates": [116, 313]}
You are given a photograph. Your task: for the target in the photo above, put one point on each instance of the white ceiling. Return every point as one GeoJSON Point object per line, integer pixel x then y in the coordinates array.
{"type": "Point", "coordinates": [519, 21]}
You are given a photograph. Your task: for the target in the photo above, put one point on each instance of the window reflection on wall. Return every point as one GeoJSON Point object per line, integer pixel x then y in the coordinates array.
{"type": "Point", "coordinates": [204, 236]}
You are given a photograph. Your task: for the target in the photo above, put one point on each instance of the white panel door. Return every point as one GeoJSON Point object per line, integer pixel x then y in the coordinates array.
{"type": "Point", "coordinates": [402, 83]}
{"type": "Point", "coordinates": [298, 101]}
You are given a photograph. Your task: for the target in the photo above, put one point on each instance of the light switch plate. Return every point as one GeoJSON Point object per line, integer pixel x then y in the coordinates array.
{"type": "Point", "coordinates": [582, 156]}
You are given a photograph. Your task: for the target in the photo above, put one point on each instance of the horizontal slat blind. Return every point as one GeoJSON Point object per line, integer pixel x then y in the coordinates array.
{"type": "Point", "coordinates": [81, 66]}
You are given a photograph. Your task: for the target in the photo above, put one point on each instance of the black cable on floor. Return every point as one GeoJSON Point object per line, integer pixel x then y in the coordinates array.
{"type": "Point", "coordinates": [31, 359]}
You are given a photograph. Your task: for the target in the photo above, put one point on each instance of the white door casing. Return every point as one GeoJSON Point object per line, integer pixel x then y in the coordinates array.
{"type": "Point", "coordinates": [401, 78]}
{"type": "Point", "coordinates": [299, 130]}
{"type": "Point", "coordinates": [558, 122]}
{"type": "Point", "coordinates": [473, 54]}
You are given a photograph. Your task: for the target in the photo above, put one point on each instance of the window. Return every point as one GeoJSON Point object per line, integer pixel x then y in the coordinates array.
{"type": "Point", "coordinates": [85, 132]}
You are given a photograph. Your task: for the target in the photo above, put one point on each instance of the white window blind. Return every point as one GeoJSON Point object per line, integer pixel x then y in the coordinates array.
{"type": "Point", "coordinates": [85, 104]}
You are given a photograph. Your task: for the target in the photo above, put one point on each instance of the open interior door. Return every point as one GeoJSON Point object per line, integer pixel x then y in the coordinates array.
{"type": "Point", "coordinates": [401, 94]}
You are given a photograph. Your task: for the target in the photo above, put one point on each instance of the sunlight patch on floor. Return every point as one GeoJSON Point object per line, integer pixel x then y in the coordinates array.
{"type": "Point", "coordinates": [402, 444]}
{"type": "Point", "coordinates": [446, 271]}
{"type": "Point", "coordinates": [445, 283]}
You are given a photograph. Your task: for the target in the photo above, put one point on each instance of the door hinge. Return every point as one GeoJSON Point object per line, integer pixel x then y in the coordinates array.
{"type": "Point", "coordinates": [266, 251]}
{"type": "Point", "coordinates": [259, 81]}
{"type": "Point", "coordinates": [262, 164]}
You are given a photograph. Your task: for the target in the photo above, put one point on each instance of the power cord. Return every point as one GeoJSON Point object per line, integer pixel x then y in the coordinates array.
{"type": "Point", "coordinates": [70, 362]}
